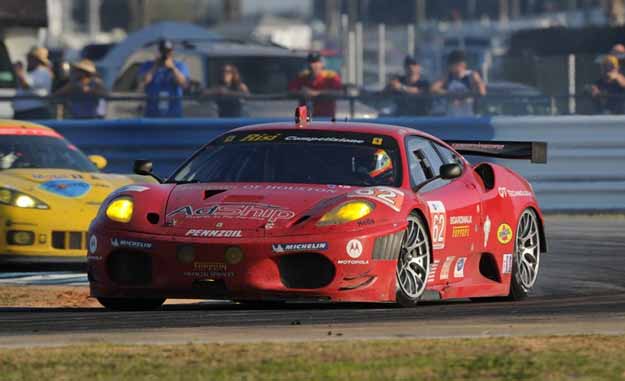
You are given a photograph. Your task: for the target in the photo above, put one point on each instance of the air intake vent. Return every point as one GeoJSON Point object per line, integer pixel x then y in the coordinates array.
{"type": "Point", "coordinates": [306, 270]}
{"type": "Point", "coordinates": [387, 247]}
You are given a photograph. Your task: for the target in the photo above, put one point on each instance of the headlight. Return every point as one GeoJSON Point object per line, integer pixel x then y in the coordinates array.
{"type": "Point", "coordinates": [347, 212]}
{"type": "Point", "coordinates": [21, 200]}
{"type": "Point", "coordinates": [120, 209]}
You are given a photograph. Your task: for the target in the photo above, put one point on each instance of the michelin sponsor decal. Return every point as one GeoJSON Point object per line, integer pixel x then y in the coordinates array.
{"type": "Point", "coordinates": [121, 242]}
{"type": "Point", "coordinates": [291, 247]}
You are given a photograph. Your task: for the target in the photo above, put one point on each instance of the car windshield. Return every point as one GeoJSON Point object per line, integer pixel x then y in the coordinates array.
{"type": "Point", "coordinates": [308, 157]}
{"type": "Point", "coordinates": [23, 151]}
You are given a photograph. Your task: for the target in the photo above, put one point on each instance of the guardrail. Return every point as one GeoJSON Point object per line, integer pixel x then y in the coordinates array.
{"type": "Point", "coordinates": [585, 170]}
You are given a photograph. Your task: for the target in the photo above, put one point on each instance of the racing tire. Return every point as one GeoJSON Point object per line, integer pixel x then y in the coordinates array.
{"type": "Point", "coordinates": [413, 262]}
{"type": "Point", "coordinates": [526, 256]}
{"type": "Point", "coordinates": [131, 304]}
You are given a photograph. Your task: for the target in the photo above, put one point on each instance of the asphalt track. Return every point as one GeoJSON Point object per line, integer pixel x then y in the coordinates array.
{"type": "Point", "coordinates": [581, 289]}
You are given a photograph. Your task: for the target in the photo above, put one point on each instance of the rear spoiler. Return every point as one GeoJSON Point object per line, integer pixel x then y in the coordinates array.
{"type": "Point", "coordinates": [534, 151]}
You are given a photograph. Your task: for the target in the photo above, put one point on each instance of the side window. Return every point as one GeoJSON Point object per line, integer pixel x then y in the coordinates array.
{"type": "Point", "coordinates": [448, 156]}
{"type": "Point", "coordinates": [423, 159]}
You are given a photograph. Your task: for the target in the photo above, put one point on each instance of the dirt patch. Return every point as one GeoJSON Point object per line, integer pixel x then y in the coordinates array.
{"type": "Point", "coordinates": [46, 296]}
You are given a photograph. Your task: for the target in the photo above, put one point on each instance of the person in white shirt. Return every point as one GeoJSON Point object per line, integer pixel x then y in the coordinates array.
{"type": "Point", "coordinates": [35, 80]}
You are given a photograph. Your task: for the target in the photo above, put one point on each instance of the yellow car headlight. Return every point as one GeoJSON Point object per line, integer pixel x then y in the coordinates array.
{"type": "Point", "coordinates": [346, 212]}
{"type": "Point", "coordinates": [120, 209]}
{"type": "Point", "coordinates": [21, 200]}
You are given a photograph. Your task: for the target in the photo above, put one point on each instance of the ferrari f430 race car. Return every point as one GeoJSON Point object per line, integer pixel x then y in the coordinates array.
{"type": "Point", "coordinates": [322, 211]}
{"type": "Point", "coordinates": [49, 193]}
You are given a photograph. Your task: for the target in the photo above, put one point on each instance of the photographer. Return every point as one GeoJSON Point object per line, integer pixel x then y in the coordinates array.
{"type": "Point", "coordinates": [164, 77]}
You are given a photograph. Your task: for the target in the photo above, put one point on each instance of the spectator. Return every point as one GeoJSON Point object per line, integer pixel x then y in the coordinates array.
{"type": "Point", "coordinates": [318, 84]}
{"type": "Point", "coordinates": [86, 91]}
{"type": "Point", "coordinates": [36, 80]}
{"type": "Point", "coordinates": [618, 51]}
{"type": "Point", "coordinates": [164, 77]}
{"type": "Point", "coordinates": [609, 90]}
{"type": "Point", "coordinates": [460, 85]}
{"type": "Point", "coordinates": [407, 87]}
{"type": "Point", "coordinates": [231, 86]}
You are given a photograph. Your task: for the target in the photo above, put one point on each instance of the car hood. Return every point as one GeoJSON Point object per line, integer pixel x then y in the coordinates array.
{"type": "Point", "coordinates": [63, 185]}
{"type": "Point", "coordinates": [245, 206]}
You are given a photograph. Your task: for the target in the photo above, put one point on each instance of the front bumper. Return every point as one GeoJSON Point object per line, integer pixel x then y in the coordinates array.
{"type": "Point", "coordinates": [60, 238]}
{"type": "Point", "coordinates": [128, 264]}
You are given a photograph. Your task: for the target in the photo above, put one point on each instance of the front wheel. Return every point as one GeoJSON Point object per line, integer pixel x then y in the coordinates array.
{"type": "Point", "coordinates": [413, 264]}
{"type": "Point", "coordinates": [526, 257]}
{"type": "Point", "coordinates": [131, 304]}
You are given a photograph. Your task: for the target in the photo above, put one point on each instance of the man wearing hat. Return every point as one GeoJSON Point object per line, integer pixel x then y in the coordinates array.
{"type": "Point", "coordinates": [164, 77]}
{"type": "Point", "coordinates": [85, 91]}
{"type": "Point", "coordinates": [35, 81]}
{"type": "Point", "coordinates": [609, 91]}
{"type": "Point", "coordinates": [315, 83]}
{"type": "Point", "coordinates": [410, 90]}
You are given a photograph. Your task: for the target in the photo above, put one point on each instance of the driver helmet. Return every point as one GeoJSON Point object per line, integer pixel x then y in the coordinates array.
{"type": "Point", "coordinates": [382, 163]}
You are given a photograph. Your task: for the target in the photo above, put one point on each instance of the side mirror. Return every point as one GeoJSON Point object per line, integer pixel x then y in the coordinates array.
{"type": "Point", "coordinates": [99, 161]}
{"type": "Point", "coordinates": [142, 167]}
{"type": "Point", "coordinates": [450, 171]}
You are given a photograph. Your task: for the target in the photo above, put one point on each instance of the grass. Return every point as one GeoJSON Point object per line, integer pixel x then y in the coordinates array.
{"type": "Point", "coordinates": [545, 358]}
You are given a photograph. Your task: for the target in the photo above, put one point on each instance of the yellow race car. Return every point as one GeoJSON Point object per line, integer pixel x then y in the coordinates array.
{"type": "Point", "coordinates": [49, 193]}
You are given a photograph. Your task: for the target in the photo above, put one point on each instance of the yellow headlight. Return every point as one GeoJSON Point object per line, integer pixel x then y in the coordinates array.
{"type": "Point", "coordinates": [347, 212]}
{"type": "Point", "coordinates": [120, 209]}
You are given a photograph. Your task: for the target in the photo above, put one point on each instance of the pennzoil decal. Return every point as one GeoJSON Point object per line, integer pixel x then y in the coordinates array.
{"type": "Point", "coordinates": [211, 233]}
{"type": "Point", "coordinates": [393, 198]}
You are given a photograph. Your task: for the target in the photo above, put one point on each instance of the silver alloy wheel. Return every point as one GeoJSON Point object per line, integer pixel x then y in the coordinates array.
{"type": "Point", "coordinates": [527, 249]}
{"type": "Point", "coordinates": [413, 265]}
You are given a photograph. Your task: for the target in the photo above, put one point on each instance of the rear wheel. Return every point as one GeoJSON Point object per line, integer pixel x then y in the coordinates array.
{"type": "Point", "coordinates": [131, 304]}
{"type": "Point", "coordinates": [413, 264]}
{"type": "Point", "coordinates": [526, 257]}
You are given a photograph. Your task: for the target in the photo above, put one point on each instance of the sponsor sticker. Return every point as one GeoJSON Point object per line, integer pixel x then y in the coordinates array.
{"type": "Point", "coordinates": [259, 137]}
{"type": "Point", "coordinates": [459, 269]}
{"type": "Point", "coordinates": [213, 233]}
{"type": "Point", "coordinates": [377, 141]}
{"type": "Point", "coordinates": [66, 188]}
{"type": "Point", "coordinates": [460, 220]}
{"type": "Point", "coordinates": [93, 244]}
{"type": "Point", "coordinates": [212, 270]}
{"type": "Point", "coordinates": [261, 212]}
{"type": "Point", "coordinates": [366, 222]}
{"type": "Point", "coordinates": [462, 231]}
{"type": "Point", "coordinates": [507, 264]}
{"type": "Point", "coordinates": [121, 242]}
{"type": "Point", "coordinates": [354, 248]}
{"type": "Point", "coordinates": [390, 197]}
{"type": "Point", "coordinates": [439, 221]}
{"type": "Point", "coordinates": [290, 247]}
{"type": "Point", "coordinates": [486, 231]}
{"type": "Point", "coordinates": [433, 268]}
{"type": "Point", "coordinates": [323, 139]}
{"type": "Point", "coordinates": [446, 267]}
{"type": "Point", "coordinates": [353, 262]}
{"type": "Point", "coordinates": [504, 234]}
{"type": "Point", "coordinates": [505, 192]}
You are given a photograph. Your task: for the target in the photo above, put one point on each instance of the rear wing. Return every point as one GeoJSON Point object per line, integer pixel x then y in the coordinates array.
{"type": "Point", "coordinates": [534, 151]}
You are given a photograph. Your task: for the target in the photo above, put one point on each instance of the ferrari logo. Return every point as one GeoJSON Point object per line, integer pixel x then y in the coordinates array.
{"type": "Point", "coordinates": [376, 141]}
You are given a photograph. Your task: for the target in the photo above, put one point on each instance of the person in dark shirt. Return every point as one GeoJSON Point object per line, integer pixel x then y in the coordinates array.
{"type": "Point", "coordinates": [609, 90]}
{"type": "Point", "coordinates": [86, 91]}
{"type": "Point", "coordinates": [407, 88]}
{"type": "Point", "coordinates": [315, 83]}
{"type": "Point", "coordinates": [230, 86]}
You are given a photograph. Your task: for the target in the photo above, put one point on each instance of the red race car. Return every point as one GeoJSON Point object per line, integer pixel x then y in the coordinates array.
{"type": "Point", "coordinates": [334, 211]}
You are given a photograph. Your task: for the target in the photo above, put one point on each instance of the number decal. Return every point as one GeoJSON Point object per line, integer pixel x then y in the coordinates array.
{"type": "Point", "coordinates": [390, 197]}
{"type": "Point", "coordinates": [439, 222]}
